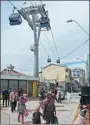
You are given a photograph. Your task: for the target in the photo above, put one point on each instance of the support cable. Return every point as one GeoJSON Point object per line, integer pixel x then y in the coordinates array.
{"type": "Point", "coordinates": [44, 49]}
{"type": "Point", "coordinates": [74, 49]}
{"type": "Point", "coordinates": [54, 43]}
{"type": "Point", "coordinates": [49, 42]}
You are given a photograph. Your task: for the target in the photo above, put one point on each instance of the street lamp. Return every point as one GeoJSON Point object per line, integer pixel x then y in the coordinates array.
{"type": "Point", "coordinates": [81, 60]}
{"type": "Point", "coordinates": [69, 21]}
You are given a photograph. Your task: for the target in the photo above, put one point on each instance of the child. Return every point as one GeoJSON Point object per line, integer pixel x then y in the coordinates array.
{"type": "Point", "coordinates": [36, 116]}
{"type": "Point", "coordinates": [21, 108]}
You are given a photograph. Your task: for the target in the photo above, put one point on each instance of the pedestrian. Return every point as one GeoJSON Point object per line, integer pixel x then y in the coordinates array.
{"type": "Point", "coordinates": [36, 116]}
{"type": "Point", "coordinates": [59, 97]}
{"type": "Point", "coordinates": [21, 108]}
{"type": "Point", "coordinates": [42, 94]}
{"type": "Point", "coordinates": [9, 91]}
{"type": "Point", "coordinates": [12, 100]}
{"type": "Point", "coordinates": [25, 101]}
{"type": "Point", "coordinates": [16, 98]}
{"type": "Point", "coordinates": [49, 110]}
{"type": "Point", "coordinates": [5, 97]}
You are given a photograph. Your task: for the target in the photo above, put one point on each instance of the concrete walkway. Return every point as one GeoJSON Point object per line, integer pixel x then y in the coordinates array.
{"type": "Point", "coordinates": [65, 112]}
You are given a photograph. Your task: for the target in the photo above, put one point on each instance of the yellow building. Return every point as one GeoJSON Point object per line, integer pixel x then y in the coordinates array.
{"type": "Point", "coordinates": [54, 72]}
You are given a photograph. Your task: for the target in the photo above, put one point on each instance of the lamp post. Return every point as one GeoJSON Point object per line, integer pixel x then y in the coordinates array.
{"type": "Point", "coordinates": [81, 60]}
{"type": "Point", "coordinates": [69, 21]}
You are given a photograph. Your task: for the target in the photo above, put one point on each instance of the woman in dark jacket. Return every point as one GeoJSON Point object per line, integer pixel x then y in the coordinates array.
{"type": "Point", "coordinates": [49, 109]}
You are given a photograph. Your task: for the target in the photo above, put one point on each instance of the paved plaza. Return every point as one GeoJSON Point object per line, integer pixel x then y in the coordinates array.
{"type": "Point", "coordinates": [65, 112]}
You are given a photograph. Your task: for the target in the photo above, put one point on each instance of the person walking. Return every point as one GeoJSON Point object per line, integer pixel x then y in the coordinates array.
{"type": "Point", "coordinates": [42, 94]}
{"type": "Point", "coordinates": [5, 97]}
{"type": "Point", "coordinates": [9, 91]}
{"type": "Point", "coordinates": [49, 110]}
{"type": "Point", "coordinates": [59, 97]}
{"type": "Point", "coordinates": [21, 108]}
{"type": "Point", "coordinates": [16, 99]}
{"type": "Point", "coordinates": [12, 100]}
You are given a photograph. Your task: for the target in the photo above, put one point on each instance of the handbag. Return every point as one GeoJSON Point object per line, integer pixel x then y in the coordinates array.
{"type": "Point", "coordinates": [55, 120]}
{"type": "Point", "coordinates": [26, 113]}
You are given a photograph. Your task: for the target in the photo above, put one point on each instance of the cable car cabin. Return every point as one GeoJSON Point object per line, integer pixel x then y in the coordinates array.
{"type": "Point", "coordinates": [45, 22]}
{"type": "Point", "coordinates": [48, 60]}
{"type": "Point", "coordinates": [58, 61]}
{"type": "Point", "coordinates": [15, 19]}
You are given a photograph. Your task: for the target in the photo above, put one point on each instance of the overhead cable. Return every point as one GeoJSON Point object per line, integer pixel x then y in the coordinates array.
{"type": "Point", "coordinates": [74, 49]}
{"type": "Point", "coordinates": [44, 48]}
{"type": "Point", "coordinates": [54, 43]}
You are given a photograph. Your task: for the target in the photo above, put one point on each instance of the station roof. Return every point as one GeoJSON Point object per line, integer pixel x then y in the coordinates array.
{"type": "Point", "coordinates": [12, 74]}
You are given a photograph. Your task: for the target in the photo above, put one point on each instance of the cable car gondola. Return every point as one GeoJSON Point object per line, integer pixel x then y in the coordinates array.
{"type": "Point", "coordinates": [15, 19]}
{"type": "Point", "coordinates": [49, 60]}
{"type": "Point", "coordinates": [58, 61]}
{"type": "Point", "coordinates": [45, 22]}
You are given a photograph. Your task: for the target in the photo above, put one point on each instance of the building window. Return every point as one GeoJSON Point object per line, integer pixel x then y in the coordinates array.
{"type": "Point", "coordinates": [76, 73]}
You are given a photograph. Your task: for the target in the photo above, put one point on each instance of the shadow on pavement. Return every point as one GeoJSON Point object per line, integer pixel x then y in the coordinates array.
{"type": "Point", "coordinates": [28, 122]}
{"type": "Point", "coordinates": [59, 105]}
{"type": "Point", "coordinates": [63, 110]}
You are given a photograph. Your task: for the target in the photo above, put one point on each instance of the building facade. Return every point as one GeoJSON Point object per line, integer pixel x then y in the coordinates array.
{"type": "Point", "coordinates": [13, 79]}
{"type": "Point", "coordinates": [53, 72]}
{"type": "Point", "coordinates": [78, 75]}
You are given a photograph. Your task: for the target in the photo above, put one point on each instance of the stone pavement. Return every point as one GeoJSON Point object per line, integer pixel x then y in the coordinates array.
{"type": "Point", "coordinates": [65, 112]}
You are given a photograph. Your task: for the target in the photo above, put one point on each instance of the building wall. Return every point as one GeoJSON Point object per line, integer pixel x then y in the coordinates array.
{"type": "Point", "coordinates": [53, 73]}
{"type": "Point", "coordinates": [13, 84]}
{"type": "Point", "coordinates": [4, 85]}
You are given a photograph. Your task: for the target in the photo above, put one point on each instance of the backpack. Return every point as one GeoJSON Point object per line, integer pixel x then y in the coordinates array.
{"type": "Point", "coordinates": [36, 118]}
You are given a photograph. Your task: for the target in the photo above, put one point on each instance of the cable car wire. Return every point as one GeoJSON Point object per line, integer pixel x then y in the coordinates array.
{"type": "Point", "coordinates": [44, 49]}
{"type": "Point", "coordinates": [40, 41]}
{"type": "Point", "coordinates": [31, 2]}
{"type": "Point", "coordinates": [41, 2]}
{"type": "Point", "coordinates": [54, 42]}
{"type": "Point", "coordinates": [74, 49]}
{"type": "Point", "coordinates": [49, 42]}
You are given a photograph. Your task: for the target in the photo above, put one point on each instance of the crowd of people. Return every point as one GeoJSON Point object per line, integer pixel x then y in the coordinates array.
{"type": "Point", "coordinates": [18, 98]}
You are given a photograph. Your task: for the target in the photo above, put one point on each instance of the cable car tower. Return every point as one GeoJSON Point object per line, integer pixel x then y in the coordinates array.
{"type": "Point", "coordinates": [37, 18]}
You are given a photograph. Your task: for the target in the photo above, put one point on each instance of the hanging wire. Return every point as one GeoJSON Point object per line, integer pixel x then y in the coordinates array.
{"type": "Point", "coordinates": [75, 49]}
{"type": "Point", "coordinates": [54, 40]}
{"type": "Point", "coordinates": [49, 42]}
{"type": "Point", "coordinates": [12, 4]}
{"type": "Point", "coordinates": [41, 2]}
{"type": "Point", "coordinates": [31, 2]}
{"type": "Point", "coordinates": [54, 43]}
{"type": "Point", "coordinates": [44, 49]}
{"type": "Point", "coordinates": [40, 41]}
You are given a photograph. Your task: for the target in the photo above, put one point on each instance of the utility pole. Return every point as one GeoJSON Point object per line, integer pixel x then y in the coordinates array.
{"type": "Point", "coordinates": [37, 24]}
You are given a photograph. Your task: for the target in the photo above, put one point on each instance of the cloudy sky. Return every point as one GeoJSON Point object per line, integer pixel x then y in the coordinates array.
{"type": "Point", "coordinates": [16, 40]}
